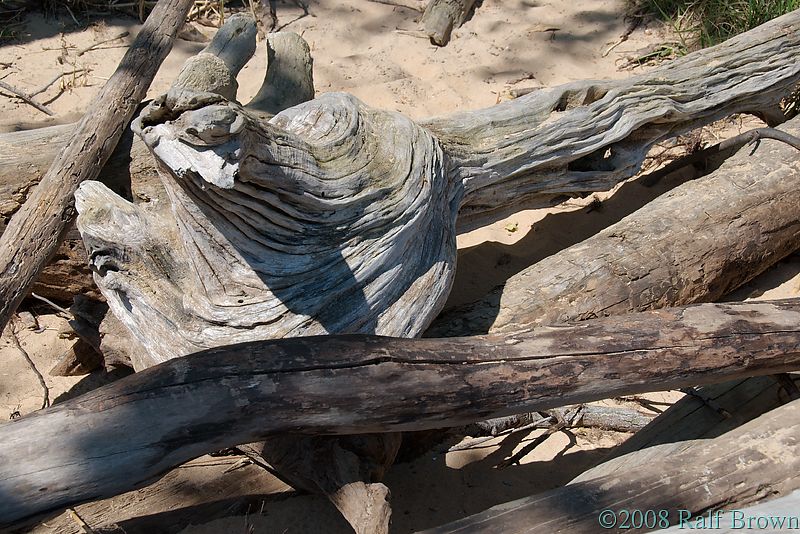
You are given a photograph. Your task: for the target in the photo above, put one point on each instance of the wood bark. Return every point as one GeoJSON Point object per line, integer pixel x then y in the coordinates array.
{"type": "Point", "coordinates": [441, 17]}
{"type": "Point", "coordinates": [35, 231]}
{"type": "Point", "coordinates": [751, 463]}
{"type": "Point", "coordinates": [695, 243]}
{"type": "Point", "coordinates": [124, 434]}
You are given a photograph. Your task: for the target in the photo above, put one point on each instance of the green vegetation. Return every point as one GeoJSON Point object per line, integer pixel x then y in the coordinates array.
{"type": "Point", "coordinates": [701, 23]}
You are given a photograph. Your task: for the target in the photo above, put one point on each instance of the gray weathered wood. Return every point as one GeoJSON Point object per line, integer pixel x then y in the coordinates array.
{"type": "Point", "coordinates": [34, 233]}
{"type": "Point", "coordinates": [441, 17]}
{"type": "Point", "coordinates": [756, 461]}
{"type": "Point", "coordinates": [693, 244]}
{"type": "Point", "coordinates": [124, 434]}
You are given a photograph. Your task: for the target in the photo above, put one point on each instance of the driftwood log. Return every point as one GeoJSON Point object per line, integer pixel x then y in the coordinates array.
{"type": "Point", "coordinates": [441, 17]}
{"type": "Point", "coordinates": [751, 463]}
{"type": "Point", "coordinates": [34, 233]}
{"type": "Point", "coordinates": [122, 435]}
{"type": "Point", "coordinates": [695, 243]}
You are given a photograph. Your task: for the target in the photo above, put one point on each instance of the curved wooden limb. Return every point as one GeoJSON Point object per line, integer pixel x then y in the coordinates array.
{"type": "Point", "coordinates": [124, 434]}
{"type": "Point", "coordinates": [590, 135]}
{"type": "Point", "coordinates": [695, 243]}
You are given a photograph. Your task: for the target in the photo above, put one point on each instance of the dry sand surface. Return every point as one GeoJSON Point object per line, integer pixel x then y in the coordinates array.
{"type": "Point", "coordinates": [373, 51]}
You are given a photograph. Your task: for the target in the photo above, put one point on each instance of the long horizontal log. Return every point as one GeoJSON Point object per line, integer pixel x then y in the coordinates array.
{"type": "Point", "coordinates": [123, 435]}
{"type": "Point", "coordinates": [751, 463]}
{"type": "Point", "coordinates": [695, 243]}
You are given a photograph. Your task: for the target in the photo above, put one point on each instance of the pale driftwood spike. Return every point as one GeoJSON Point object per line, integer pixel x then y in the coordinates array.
{"type": "Point", "coordinates": [289, 79]}
{"type": "Point", "coordinates": [441, 17]}
{"type": "Point", "coordinates": [213, 71]}
{"type": "Point", "coordinates": [121, 436]}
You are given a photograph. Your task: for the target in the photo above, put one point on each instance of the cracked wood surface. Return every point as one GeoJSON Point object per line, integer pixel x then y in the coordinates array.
{"type": "Point", "coordinates": [141, 426]}
{"type": "Point", "coordinates": [333, 217]}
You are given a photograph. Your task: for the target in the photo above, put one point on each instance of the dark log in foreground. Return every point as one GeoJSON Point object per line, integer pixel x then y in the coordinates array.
{"type": "Point", "coordinates": [756, 461]}
{"type": "Point", "coordinates": [695, 243]}
{"type": "Point", "coordinates": [34, 233]}
{"type": "Point", "coordinates": [123, 435]}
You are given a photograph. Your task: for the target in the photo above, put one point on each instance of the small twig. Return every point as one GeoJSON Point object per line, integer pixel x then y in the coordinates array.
{"type": "Point", "coordinates": [16, 92]}
{"type": "Point", "coordinates": [53, 304]}
{"type": "Point", "coordinates": [104, 41]}
{"type": "Point", "coordinates": [753, 137]}
{"type": "Point", "coordinates": [624, 37]}
{"type": "Point", "coordinates": [55, 78]}
{"type": "Point", "coordinates": [18, 347]}
{"type": "Point", "coordinates": [413, 33]}
{"type": "Point", "coordinates": [81, 523]}
{"type": "Point", "coordinates": [72, 15]}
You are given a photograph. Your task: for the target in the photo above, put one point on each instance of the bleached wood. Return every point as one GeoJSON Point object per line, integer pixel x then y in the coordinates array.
{"type": "Point", "coordinates": [695, 243]}
{"type": "Point", "coordinates": [747, 465]}
{"type": "Point", "coordinates": [35, 231]}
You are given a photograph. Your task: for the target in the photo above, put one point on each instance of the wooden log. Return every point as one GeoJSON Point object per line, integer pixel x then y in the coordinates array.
{"type": "Point", "coordinates": [753, 462]}
{"type": "Point", "coordinates": [549, 170]}
{"type": "Point", "coordinates": [441, 17]}
{"type": "Point", "coordinates": [140, 426]}
{"type": "Point", "coordinates": [35, 231]}
{"type": "Point", "coordinates": [693, 244]}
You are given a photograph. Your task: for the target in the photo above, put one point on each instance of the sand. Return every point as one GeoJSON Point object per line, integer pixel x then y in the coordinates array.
{"type": "Point", "coordinates": [373, 51]}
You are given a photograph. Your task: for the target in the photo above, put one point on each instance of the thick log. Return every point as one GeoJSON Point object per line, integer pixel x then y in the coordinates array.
{"type": "Point", "coordinates": [124, 434]}
{"type": "Point", "coordinates": [441, 17]}
{"type": "Point", "coordinates": [695, 243]}
{"type": "Point", "coordinates": [751, 463]}
{"type": "Point", "coordinates": [34, 233]}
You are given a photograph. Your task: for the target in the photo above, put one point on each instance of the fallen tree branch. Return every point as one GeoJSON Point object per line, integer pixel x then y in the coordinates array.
{"type": "Point", "coordinates": [695, 243]}
{"type": "Point", "coordinates": [12, 336]}
{"type": "Point", "coordinates": [36, 230]}
{"type": "Point", "coordinates": [26, 98]}
{"type": "Point", "coordinates": [140, 426]}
